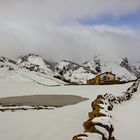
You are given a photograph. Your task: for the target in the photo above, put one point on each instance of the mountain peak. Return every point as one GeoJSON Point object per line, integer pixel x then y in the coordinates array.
{"type": "Point", "coordinates": [34, 62]}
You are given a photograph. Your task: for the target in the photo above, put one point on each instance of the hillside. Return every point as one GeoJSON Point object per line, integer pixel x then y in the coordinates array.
{"type": "Point", "coordinates": [67, 121]}
{"type": "Point", "coordinates": [35, 68]}
{"type": "Point", "coordinates": [28, 68]}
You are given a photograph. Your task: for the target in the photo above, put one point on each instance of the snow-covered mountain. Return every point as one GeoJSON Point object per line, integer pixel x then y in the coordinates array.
{"type": "Point", "coordinates": [132, 68]}
{"type": "Point", "coordinates": [34, 68]}
{"type": "Point", "coordinates": [36, 63]}
{"type": "Point", "coordinates": [75, 73]}
{"type": "Point", "coordinates": [7, 63]}
{"type": "Point", "coordinates": [72, 72]}
{"type": "Point", "coordinates": [28, 68]}
{"type": "Point", "coordinates": [136, 69]}
{"type": "Point", "coordinates": [8, 70]}
{"type": "Point", "coordinates": [102, 64]}
{"type": "Point", "coordinates": [94, 65]}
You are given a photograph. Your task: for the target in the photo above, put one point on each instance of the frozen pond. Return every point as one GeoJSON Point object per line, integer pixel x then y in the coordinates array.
{"type": "Point", "coordinates": [42, 100]}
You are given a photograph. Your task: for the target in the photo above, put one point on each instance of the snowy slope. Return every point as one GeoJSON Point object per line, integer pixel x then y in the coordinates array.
{"type": "Point", "coordinates": [63, 123]}
{"type": "Point", "coordinates": [126, 119]}
{"type": "Point", "coordinates": [76, 73]}
{"type": "Point", "coordinates": [72, 72]}
{"type": "Point", "coordinates": [12, 71]}
{"type": "Point", "coordinates": [35, 68]}
{"type": "Point", "coordinates": [34, 62]}
{"type": "Point", "coordinates": [135, 68]}
{"type": "Point", "coordinates": [6, 75]}
{"type": "Point", "coordinates": [80, 76]}
{"type": "Point", "coordinates": [8, 71]}
{"type": "Point", "coordinates": [40, 78]}
{"type": "Point", "coordinates": [103, 64]}
{"type": "Point", "coordinates": [94, 65]}
{"type": "Point", "coordinates": [7, 63]}
{"type": "Point", "coordinates": [121, 72]}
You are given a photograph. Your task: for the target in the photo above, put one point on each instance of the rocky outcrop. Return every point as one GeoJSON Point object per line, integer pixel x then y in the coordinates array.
{"type": "Point", "coordinates": [100, 119]}
{"type": "Point", "coordinates": [7, 63]}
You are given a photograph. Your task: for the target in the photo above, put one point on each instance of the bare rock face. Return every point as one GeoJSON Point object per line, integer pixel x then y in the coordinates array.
{"type": "Point", "coordinates": [99, 121]}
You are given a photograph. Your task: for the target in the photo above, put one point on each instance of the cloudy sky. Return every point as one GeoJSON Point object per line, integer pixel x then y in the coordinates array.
{"type": "Point", "coordinates": [70, 29]}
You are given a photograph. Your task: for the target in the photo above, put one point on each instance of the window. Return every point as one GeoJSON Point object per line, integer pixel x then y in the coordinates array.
{"type": "Point", "coordinates": [104, 78]}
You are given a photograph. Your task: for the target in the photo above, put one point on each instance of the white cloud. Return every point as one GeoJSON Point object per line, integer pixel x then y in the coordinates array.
{"type": "Point", "coordinates": [50, 28]}
{"type": "Point", "coordinates": [58, 10]}
{"type": "Point", "coordinates": [70, 42]}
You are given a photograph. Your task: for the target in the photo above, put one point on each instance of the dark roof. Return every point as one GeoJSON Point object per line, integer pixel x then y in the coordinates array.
{"type": "Point", "coordinates": [106, 73]}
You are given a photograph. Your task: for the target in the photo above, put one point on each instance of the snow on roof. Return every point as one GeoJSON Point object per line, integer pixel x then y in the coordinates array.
{"type": "Point", "coordinates": [106, 73]}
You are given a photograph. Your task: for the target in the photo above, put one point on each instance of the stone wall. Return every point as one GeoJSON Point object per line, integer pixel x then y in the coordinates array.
{"type": "Point", "coordinates": [99, 124]}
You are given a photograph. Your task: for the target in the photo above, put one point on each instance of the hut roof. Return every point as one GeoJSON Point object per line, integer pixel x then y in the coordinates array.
{"type": "Point", "coordinates": [106, 73]}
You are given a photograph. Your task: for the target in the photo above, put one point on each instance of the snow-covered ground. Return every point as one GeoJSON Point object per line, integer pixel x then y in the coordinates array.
{"type": "Point", "coordinates": [63, 123]}
{"type": "Point", "coordinates": [126, 119]}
